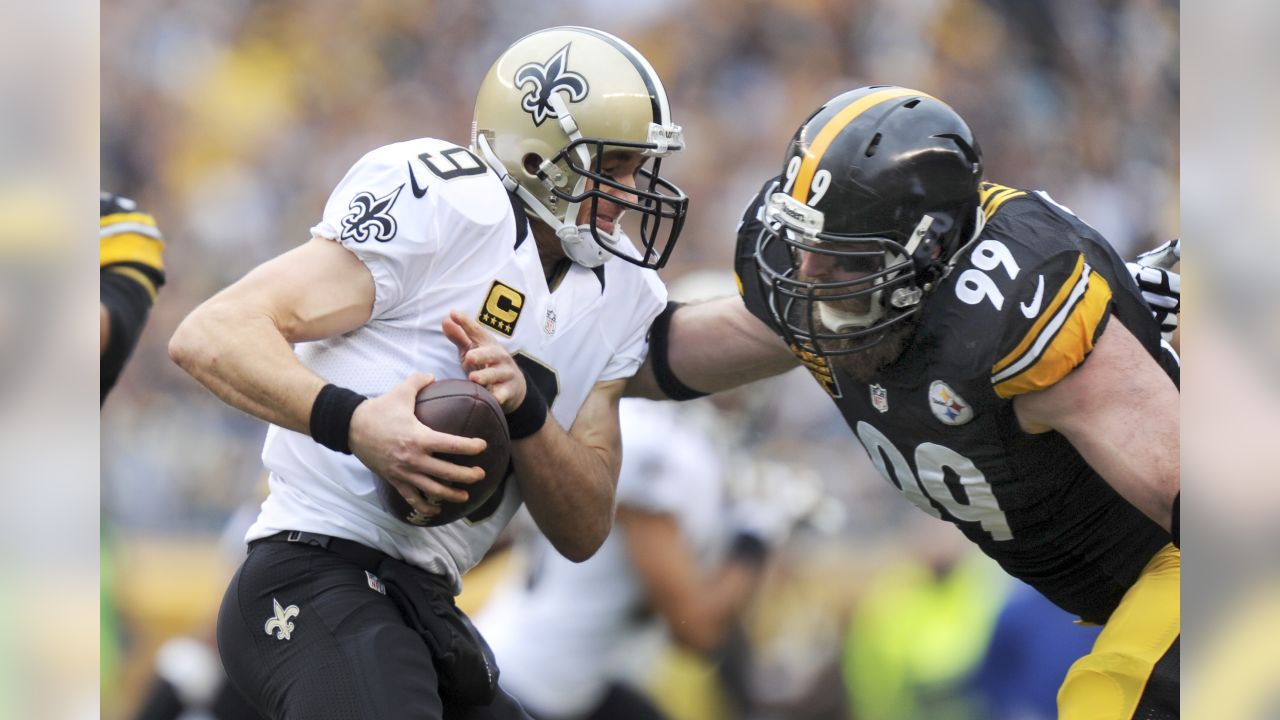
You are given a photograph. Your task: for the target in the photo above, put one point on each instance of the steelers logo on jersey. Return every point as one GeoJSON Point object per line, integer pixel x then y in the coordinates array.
{"type": "Point", "coordinates": [502, 307]}
{"type": "Point", "coordinates": [947, 405]}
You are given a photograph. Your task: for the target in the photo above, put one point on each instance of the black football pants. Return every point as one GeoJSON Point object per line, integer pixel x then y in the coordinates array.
{"type": "Point", "coordinates": [306, 634]}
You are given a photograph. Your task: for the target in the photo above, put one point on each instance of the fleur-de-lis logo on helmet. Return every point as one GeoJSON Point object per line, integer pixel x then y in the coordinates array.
{"type": "Point", "coordinates": [548, 78]}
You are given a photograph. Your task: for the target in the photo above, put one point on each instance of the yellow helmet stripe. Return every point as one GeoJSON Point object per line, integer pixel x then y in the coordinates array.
{"type": "Point", "coordinates": [814, 152]}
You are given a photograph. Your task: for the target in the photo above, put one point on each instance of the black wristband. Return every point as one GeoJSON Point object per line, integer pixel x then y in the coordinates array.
{"type": "Point", "coordinates": [659, 341]}
{"type": "Point", "coordinates": [1173, 522]}
{"type": "Point", "coordinates": [748, 549]}
{"type": "Point", "coordinates": [331, 417]}
{"type": "Point", "coordinates": [532, 413]}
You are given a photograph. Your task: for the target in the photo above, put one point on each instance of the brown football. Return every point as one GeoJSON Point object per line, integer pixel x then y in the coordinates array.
{"type": "Point", "coordinates": [459, 407]}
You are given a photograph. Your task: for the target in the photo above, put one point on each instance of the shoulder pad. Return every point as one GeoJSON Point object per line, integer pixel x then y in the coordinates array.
{"type": "Point", "coordinates": [1023, 304]}
{"type": "Point", "coordinates": [126, 235]}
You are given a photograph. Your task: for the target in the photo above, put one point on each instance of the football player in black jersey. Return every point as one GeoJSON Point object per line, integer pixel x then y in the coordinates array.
{"type": "Point", "coordinates": [990, 351]}
{"type": "Point", "coordinates": [131, 272]}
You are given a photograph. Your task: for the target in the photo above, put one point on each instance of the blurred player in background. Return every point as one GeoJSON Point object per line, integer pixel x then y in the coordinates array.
{"type": "Point", "coordinates": [131, 272]}
{"type": "Point", "coordinates": [918, 635]}
{"type": "Point", "coordinates": [489, 263]}
{"type": "Point", "coordinates": [583, 640]}
{"type": "Point", "coordinates": [990, 351]}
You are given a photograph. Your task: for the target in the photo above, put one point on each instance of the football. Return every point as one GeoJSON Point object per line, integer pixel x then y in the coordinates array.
{"type": "Point", "coordinates": [458, 407]}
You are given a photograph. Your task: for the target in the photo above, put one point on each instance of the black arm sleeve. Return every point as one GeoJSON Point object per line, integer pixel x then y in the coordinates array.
{"type": "Point", "coordinates": [128, 304]}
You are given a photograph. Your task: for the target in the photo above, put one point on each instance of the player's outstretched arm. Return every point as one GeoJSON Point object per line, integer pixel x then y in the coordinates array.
{"type": "Point", "coordinates": [709, 347]}
{"type": "Point", "coordinates": [1120, 411]}
{"type": "Point", "coordinates": [567, 478]}
{"type": "Point", "coordinates": [238, 344]}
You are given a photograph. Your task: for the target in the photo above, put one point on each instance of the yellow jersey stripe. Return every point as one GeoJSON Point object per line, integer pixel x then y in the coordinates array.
{"type": "Point", "coordinates": [814, 152]}
{"type": "Point", "coordinates": [989, 190]}
{"type": "Point", "coordinates": [999, 200]}
{"type": "Point", "coordinates": [137, 276]}
{"type": "Point", "coordinates": [1044, 318]}
{"type": "Point", "coordinates": [1064, 349]}
{"type": "Point", "coordinates": [131, 247]}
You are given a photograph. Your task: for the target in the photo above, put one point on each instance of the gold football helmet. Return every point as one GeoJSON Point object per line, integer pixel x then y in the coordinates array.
{"type": "Point", "coordinates": [547, 112]}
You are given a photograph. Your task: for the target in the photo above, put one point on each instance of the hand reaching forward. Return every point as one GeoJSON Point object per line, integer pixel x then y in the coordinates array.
{"type": "Point", "coordinates": [390, 440]}
{"type": "Point", "coordinates": [1161, 287]}
{"type": "Point", "coordinates": [486, 362]}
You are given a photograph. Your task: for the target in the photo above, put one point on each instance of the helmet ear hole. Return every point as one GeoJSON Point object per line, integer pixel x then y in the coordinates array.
{"type": "Point", "coordinates": [531, 163]}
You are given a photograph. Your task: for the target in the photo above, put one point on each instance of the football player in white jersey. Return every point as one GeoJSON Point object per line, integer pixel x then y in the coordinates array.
{"type": "Point", "coordinates": [579, 641]}
{"type": "Point", "coordinates": [505, 263]}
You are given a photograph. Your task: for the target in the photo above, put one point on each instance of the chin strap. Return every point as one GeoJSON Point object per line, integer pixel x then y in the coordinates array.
{"type": "Point", "coordinates": [577, 241]}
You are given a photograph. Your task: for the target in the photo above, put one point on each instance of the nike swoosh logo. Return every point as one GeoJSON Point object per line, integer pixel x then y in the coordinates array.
{"type": "Point", "coordinates": [418, 192]}
{"type": "Point", "coordinates": [1033, 309]}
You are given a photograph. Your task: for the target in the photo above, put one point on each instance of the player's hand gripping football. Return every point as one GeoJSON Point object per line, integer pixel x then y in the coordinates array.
{"type": "Point", "coordinates": [486, 362]}
{"type": "Point", "coordinates": [1161, 287]}
{"type": "Point", "coordinates": [388, 438]}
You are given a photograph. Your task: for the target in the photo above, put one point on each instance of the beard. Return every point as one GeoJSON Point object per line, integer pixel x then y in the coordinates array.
{"type": "Point", "coordinates": [866, 364]}
{"type": "Point", "coordinates": [878, 351]}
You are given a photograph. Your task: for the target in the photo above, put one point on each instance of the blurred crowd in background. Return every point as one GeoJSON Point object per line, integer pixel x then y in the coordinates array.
{"type": "Point", "coordinates": [231, 122]}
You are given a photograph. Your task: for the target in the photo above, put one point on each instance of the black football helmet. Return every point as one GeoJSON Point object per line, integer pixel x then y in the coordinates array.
{"type": "Point", "coordinates": [883, 182]}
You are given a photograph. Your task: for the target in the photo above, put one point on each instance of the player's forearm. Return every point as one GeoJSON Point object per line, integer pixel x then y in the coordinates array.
{"type": "Point", "coordinates": [714, 346]}
{"type": "Point", "coordinates": [568, 488]}
{"type": "Point", "coordinates": [242, 358]}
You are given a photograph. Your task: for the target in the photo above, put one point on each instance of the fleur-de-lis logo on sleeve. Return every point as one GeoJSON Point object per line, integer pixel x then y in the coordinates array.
{"type": "Point", "coordinates": [548, 78]}
{"type": "Point", "coordinates": [279, 624]}
{"type": "Point", "coordinates": [370, 217]}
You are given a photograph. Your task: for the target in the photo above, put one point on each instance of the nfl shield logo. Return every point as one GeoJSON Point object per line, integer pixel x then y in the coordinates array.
{"type": "Point", "coordinates": [549, 322]}
{"type": "Point", "coordinates": [879, 398]}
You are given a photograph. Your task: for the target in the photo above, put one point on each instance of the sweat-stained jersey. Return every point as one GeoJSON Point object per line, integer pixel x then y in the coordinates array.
{"type": "Point", "coordinates": [564, 632]}
{"type": "Point", "coordinates": [437, 232]}
{"type": "Point", "coordinates": [1021, 308]}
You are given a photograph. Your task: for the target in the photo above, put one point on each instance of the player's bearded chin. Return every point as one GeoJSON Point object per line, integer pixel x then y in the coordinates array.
{"type": "Point", "coordinates": [861, 365]}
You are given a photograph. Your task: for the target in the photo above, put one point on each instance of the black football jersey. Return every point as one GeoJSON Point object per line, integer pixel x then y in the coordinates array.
{"type": "Point", "coordinates": [1021, 308]}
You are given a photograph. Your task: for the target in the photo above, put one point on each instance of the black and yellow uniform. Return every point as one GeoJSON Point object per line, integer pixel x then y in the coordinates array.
{"type": "Point", "coordinates": [1019, 310]}
{"type": "Point", "coordinates": [131, 272]}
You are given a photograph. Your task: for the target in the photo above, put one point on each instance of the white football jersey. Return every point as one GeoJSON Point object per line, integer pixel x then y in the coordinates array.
{"type": "Point", "coordinates": [438, 232]}
{"type": "Point", "coordinates": [563, 632]}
